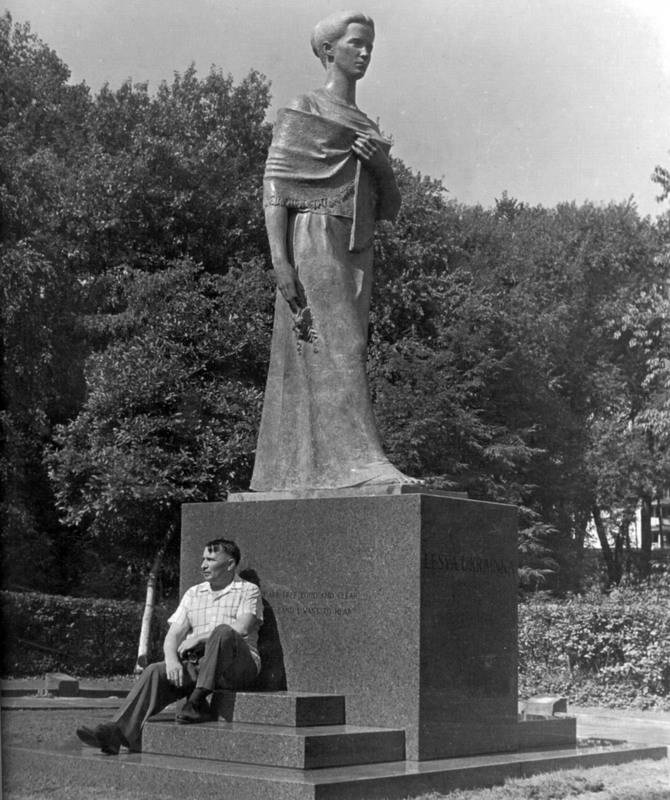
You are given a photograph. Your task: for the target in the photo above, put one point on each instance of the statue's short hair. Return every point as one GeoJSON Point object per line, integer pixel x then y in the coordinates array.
{"type": "Point", "coordinates": [228, 546]}
{"type": "Point", "coordinates": [334, 26]}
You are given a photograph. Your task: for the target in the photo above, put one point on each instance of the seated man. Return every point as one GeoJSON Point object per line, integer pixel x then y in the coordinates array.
{"type": "Point", "coordinates": [221, 616]}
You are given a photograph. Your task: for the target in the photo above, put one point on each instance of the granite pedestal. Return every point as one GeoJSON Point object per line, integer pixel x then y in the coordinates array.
{"type": "Point", "coordinates": [404, 604]}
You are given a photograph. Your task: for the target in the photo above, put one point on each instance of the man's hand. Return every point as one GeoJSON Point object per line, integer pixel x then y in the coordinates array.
{"type": "Point", "coordinates": [189, 642]}
{"type": "Point", "coordinates": [173, 667]}
{"type": "Point", "coordinates": [175, 672]}
{"type": "Point", "coordinates": [289, 286]}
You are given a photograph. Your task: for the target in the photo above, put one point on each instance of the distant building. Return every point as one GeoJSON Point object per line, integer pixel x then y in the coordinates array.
{"type": "Point", "coordinates": [660, 525]}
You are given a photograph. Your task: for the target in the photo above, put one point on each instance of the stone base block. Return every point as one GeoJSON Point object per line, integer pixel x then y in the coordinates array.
{"type": "Point", "coordinates": [405, 604]}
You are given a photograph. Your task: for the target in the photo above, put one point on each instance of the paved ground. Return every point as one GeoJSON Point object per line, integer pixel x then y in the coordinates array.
{"type": "Point", "coordinates": [32, 694]}
{"type": "Point", "coordinates": [648, 727]}
{"type": "Point", "coordinates": [35, 686]}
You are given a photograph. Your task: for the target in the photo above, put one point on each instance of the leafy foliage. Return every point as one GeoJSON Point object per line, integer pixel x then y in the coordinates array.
{"type": "Point", "coordinates": [511, 352]}
{"type": "Point", "coordinates": [172, 405]}
{"type": "Point", "coordinates": [609, 650]}
{"type": "Point", "coordinates": [171, 176]}
{"type": "Point", "coordinates": [93, 189]}
{"type": "Point", "coordinates": [432, 363]}
{"type": "Point", "coordinates": [43, 633]}
{"type": "Point", "coordinates": [40, 382]}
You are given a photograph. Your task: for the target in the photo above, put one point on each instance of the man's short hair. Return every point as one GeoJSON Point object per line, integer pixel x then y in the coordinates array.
{"type": "Point", "coordinates": [228, 546]}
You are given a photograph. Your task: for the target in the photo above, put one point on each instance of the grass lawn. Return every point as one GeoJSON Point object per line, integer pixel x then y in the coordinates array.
{"type": "Point", "coordinates": [640, 780]}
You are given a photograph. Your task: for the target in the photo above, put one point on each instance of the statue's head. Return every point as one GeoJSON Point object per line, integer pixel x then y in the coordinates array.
{"type": "Point", "coordinates": [333, 28]}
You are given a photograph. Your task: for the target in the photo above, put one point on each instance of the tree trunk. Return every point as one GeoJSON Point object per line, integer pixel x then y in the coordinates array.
{"type": "Point", "coordinates": [608, 556]}
{"type": "Point", "coordinates": [625, 544]}
{"type": "Point", "coordinates": [149, 604]}
{"type": "Point", "coordinates": [645, 535]}
{"type": "Point", "coordinates": [622, 537]}
{"type": "Point", "coordinates": [661, 532]}
{"type": "Point", "coordinates": [581, 524]}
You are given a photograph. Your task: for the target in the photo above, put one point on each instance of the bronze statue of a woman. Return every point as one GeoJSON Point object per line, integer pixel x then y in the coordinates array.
{"type": "Point", "coordinates": [327, 179]}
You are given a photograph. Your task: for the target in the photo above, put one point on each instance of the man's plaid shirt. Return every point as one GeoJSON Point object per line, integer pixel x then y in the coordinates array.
{"type": "Point", "coordinates": [204, 609]}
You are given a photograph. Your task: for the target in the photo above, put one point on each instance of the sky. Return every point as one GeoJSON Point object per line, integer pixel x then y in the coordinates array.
{"type": "Point", "coordinates": [548, 100]}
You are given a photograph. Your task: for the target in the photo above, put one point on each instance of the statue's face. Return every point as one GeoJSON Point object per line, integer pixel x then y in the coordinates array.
{"type": "Point", "coordinates": [352, 52]}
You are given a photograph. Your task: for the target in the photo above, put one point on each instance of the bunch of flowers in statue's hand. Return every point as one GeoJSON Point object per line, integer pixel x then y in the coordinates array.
{"type": "Point", "coordinates": [303, 327]}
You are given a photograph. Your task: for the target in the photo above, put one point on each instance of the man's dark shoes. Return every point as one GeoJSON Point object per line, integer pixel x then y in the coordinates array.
{"type": "Point", "coordinates": [106, 736]}
{"type": "Point", "coordinates": [193, 713]}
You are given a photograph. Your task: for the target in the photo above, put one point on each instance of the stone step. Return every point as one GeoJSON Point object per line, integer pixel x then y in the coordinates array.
{"type": "Point", "coordinates": [297, 709]}
{"type": "Point", "coordinates": [174, 777]}
{"type": "Point", "coordinates": [275, 745]}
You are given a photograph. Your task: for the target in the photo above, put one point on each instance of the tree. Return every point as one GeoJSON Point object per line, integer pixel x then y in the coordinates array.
{"type": "Point", "coordinates": [593, 287]}
{"type": "Point", "coordinates": [40, 131]}
{"type": "Point", "coordinates": [171, 410]}
{"type": "Point", "coordinates": [629, 456]}
{"type": "Point", "coordinates": [173, 175]}
{"type": "Point", "coordinates": [90, 188]}
{"type": "Point", "coordinates": [505, 341]}
{"type": "Point", "coordinates": [169, 180]}
{"type": "Point", "coordinates": [431, 357]}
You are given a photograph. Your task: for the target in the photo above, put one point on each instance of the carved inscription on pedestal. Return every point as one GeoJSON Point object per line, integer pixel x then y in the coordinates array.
{"type": "Point", "coordinates": [324, 603]}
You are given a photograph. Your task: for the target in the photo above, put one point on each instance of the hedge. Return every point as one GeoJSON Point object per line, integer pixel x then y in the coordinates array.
{"type": "Point", "coordinates": [599, 650]}
{"type": "Point", "coordinates": [81, 636]}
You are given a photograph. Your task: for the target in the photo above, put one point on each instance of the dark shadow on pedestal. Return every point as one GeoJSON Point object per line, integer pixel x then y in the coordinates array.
{"type": "Point", "coordinates": [272, 677]}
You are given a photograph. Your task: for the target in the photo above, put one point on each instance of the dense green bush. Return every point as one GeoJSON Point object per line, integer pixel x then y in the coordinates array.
{"type": "Point", "coordinates": [81, 636]}
{"type": "Point", "coordinates": [611, 650]}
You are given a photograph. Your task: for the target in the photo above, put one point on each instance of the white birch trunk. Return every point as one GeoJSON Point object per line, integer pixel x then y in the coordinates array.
{"type": "Point", "coordinates": [149, 605]}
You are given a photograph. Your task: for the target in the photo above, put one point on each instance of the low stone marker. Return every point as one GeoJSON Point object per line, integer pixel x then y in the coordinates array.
{"type": "Point", "coordinates": [60, 684]}
{"type": "Point", "coordinates": [545, 705]}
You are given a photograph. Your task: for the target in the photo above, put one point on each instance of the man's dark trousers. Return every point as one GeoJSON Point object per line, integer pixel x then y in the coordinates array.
{"type": "Point", "coordinates": [226, 664]}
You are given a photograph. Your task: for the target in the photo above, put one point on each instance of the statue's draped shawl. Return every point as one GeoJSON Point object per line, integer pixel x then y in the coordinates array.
{"type": "Point", "coordinates": [311, 167]}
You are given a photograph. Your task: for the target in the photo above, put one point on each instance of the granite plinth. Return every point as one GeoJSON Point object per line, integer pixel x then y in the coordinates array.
{"type": "Point", "coordinates": [172, 776]}
{"type": "Point", "coordinates": [275, 745]}
{"type": "Point", "coordinates": [299, 709]}
{"type": "Point", "coordinates": [405, 604]}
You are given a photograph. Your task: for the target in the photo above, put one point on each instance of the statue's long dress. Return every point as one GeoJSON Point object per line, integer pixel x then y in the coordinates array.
{"type": "Point", "coordinates": [317, 427]}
